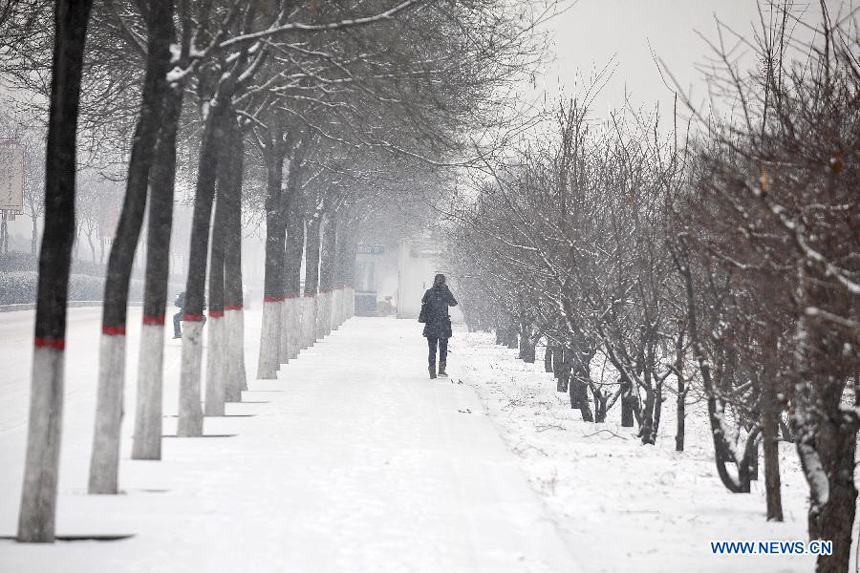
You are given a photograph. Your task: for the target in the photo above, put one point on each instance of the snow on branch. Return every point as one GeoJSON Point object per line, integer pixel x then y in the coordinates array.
{"type": "Point", "coordinates": [339, 25]}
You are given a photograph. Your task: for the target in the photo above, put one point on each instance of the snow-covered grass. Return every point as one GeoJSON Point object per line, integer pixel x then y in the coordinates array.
{"type": "Point", "coordinates": [628, 507]}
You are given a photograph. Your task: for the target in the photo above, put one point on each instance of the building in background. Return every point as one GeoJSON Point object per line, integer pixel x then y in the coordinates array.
{"type": "Point", "coordinates": [375, 280]}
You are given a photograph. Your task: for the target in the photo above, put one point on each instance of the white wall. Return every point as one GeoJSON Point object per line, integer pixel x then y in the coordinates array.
{"type": "Point", "coordinates": [415, 275]}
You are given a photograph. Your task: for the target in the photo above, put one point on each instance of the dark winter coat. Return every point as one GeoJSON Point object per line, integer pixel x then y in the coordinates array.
{"type": "Point", "coordinates": [434, 308]}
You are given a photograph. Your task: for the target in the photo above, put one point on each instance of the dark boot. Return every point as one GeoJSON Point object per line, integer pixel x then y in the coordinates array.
{"type": "Point", "coordinates": [432, 370]}
{"type": "Point", "coordinates": [442, 369]}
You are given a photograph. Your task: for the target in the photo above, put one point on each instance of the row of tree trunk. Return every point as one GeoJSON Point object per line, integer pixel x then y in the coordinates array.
{"type": "Point", "coordinates": [298, 321]}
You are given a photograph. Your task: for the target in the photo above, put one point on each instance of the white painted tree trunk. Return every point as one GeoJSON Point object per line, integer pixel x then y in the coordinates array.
{"type": "Point", "coordinates": [307, 320]}
{"type": "Point", "coordinates": [319, 328]}
{"type": "Point", "coordinates": [42, 466]}
{"type": "Point", "coordinates": [318, 309]}
{"type": "Point", "coordinates": [337, 303]}
{"type": "Point", "coordinates": [270, 333]}
{"type": "Point", "coordinates": [104, 459]}
{"type": "Point", "coordinates": [296, 327]}
{"type": "Point", "coordinates": [240, 334]}
{"type": "Point", "coordinates": [284, 338]}
{"type": "Point", "coordinates": [294, 317]}
{"type": "Point", "coordinates": [288, 335]}
{"type": "Point", "coordinates": [190, 422]}
{"type": "Point", "coordinates": [326, 323]}
{"type": "Point", "coordinates": [234, 340]}
{"type": "Point", "coordinates": [216, 361]}
{"type": "Point", "coordinates": [148, 412]}
{"type": "Point", "coordinates": [310, 325]}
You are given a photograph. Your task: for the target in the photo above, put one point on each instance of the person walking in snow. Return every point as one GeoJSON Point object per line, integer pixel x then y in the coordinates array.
{"type": "Point", "coordinates": [437, 323]}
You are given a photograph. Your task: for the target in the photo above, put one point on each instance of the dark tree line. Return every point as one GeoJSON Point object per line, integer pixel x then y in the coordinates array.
{"type": "Point", "coordinates": [718, 264]}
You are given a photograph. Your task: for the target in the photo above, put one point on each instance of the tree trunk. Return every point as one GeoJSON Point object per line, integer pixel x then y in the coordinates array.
{"type": "Point", "coordinates": [558, 368]}
{"type": "Point", "coordinates": [826, 443]}
{"type": "Point", "coordinates": [104, 463]}
{"type": "Point", "coordinates": [348, 272]}
{"type": "Point", "coordinates": [216, 387]}
{"type": "Point", "coordinates": [293, 250]}
{"type": "Point", "coordinates": [312, 261]}
{"type": "Point", "coordinates": [527, 347]}
{"type": "Point", "coordinates": [600, 401]}
{"type": "Point", "coordinates": [273, 291]}
{"type": "Point", "coordinates": [680, 405]}
{"type": "Point", "coordinates": [837, 449]}
{"type": "Point", "coordinates": [34, 237]}
{"type": "Point", "coordinates": [148, 415]}
{"type": "Point", "coordinates": [295, 247]}
{"type": "Point", "coordinates": [513, 337]}
{"type": "Point", "coordinates": [327, 263]}
{"type": "Point", "coordinates": [89, 240]}
{"type": "Point", "coordinates": [627, 417]}
{"type": "Point", "coordinates": [39, 494]}
{"type": "Point", "coordinates": [578, 386]}
{"type": "Point", "coordinates": [648, 429]}
{"type": "Point", "coordinates": [770, 443]}
{"type": "Point", "coordinates": [337, 271]}
{"type": "Point", "coordinates": [547, 358]}
{"type": "Point", "coordinates": [190, 421]}
{"type": "Point", "coordinates": [658, 407]}
{"type": "Point", "coordinates": [234, 320]}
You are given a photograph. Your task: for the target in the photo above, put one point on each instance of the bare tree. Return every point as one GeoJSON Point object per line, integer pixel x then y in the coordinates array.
{"type": "Point", "coordinates": [38, 500]}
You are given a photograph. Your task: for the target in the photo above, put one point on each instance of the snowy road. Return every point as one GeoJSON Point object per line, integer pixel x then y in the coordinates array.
{"type": "Point", "coordinates": [352, 461]}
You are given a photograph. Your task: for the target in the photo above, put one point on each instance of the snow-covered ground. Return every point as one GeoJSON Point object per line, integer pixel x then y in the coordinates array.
{"type": "Point", "coordinates": [352, 461]}
{"type": "Point", "coordinates": [628, 507]}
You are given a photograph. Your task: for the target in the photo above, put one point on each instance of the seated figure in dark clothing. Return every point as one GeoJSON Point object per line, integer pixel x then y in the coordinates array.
{"type": "Point", "coordinates": [437, 322]}
{"type": "Point", "coordinates": [180, 302]}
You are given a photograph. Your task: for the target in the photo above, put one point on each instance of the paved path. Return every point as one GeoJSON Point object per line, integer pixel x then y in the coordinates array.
{"type": "Point", "coordinates": [352, 461]}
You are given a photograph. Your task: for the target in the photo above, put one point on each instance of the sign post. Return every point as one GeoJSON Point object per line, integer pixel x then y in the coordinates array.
{"type": "Point", "coordinates": [11, 177]}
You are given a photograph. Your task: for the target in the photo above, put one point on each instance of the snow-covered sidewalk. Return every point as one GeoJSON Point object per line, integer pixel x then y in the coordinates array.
{"type": "Point", "coordinates": [352, 461]}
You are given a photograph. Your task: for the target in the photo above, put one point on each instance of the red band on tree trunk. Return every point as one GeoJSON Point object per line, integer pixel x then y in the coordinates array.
{"type": "Point", "coordinates": [156, 320]}
{"type": "Point", "coordinates": [193, 318]}
{"type": "Point", "coordinates": [232, 307]}
{"type": "Point", "coordinates": [273, 298]}
{"type": "Point", "coordinates": [113, 330]}
{"type": "Point", "coordinates": [216, 313]}
{"type": "Point", "coordinates": [291, 295]}
{"type": "Point", "coordinates": [58, 343]}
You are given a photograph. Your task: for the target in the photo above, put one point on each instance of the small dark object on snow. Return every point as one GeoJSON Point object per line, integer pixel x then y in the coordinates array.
{"type": "Point", "coordinates": [466, 411]}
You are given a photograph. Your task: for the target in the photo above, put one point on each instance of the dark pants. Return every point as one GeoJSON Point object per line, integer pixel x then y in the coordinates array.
{"type": "Point", "coordinates": [443, 349]}
{"type": "Point", "coordinates": [176, 318]}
